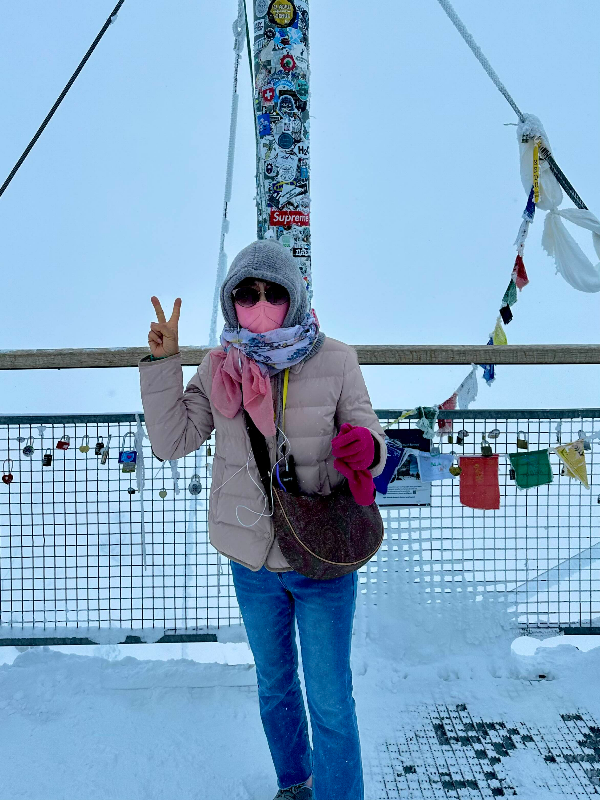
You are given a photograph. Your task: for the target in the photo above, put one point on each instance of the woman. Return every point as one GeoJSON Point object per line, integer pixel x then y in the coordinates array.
{"type": "Point", "coordinates": [268, 330]}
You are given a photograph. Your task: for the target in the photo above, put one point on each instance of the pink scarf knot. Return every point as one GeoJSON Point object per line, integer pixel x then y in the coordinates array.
{"type": "Point", "coordinates": [229, 383]}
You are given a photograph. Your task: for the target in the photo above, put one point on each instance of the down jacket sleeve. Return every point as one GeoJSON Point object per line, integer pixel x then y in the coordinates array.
{"type": "Point", "coordinates": [178, 421]}
{"type": "Point", "coordinates": [354, 406]}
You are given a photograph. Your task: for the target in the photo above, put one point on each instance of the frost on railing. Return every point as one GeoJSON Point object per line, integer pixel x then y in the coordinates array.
{"type": "Point", "coordinates": [72, 539]}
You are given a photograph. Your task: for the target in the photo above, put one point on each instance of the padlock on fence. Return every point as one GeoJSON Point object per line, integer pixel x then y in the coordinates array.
{"type": "Point", "coordinates": [128, 458]}
{"type": "Point", "coordinates": [461, 436]}
{"type": "Point", "coordinates": [29, 449]}
{"type": "Point", "coordinates": [85, 444]}
{"type": "Point", "coordinates": [195, 486]}
{"type": "Point", "coordinates": [7, 476]}
{"type": "Point", "coordinates": [486, 447]}
{"type": "Point", "coordinates": [104, 455]}
{"type": "Point", "coordinates": [512, 474]}
{"type": "Point", "coordinates": [455, 470]}
{"type": "Point", "coordinates": [47, 458]}
{"type": "Point", "coordinates": [64, 442]}
{"type": "Point", "coordinates": [522, 440]}
{"type": "Point", "coordinates": [99, 448]}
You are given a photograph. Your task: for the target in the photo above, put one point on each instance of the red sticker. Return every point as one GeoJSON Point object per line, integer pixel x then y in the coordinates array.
{"type": "Point", "coordinates": [288, 63]}
{"type": "Point", "coordinates": [285, 218]}
{"type": "Point", "coordinates": [268, 95]}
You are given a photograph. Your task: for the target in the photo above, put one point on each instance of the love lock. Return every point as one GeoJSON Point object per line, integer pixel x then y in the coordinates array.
{"type": "Point", "coordinates": [454, 470]}
{"type": "Point", "coordinates": [104, 456]}
{"type": "Point", "coordinates": [85, 444]}
{"type": "Point", "coordinates": [486, 448]}
{"type": "Point", "coordinates": [461, 436]}
{"type": "Point", "coordinates": [512, 474]}
{"type": "Point", "coordinates": [522, 441]}
{"type": "Point", "coordinates": [99, 448]}
{"type": "Point", "coordinates": [195, 486]}
{"type": "Point", "coordinates": [8, 477]}
{"type": "Point", "coordinates": [494, 433]}
{"type": "Point", "coordinates": [162, 493]}
{"type": "Point", "coordinates": [29, 449]}
{"type": "Point", "coordinates": [586, 444]}
{"type": "Point", "coordinates": [128, 458]}
{"type": "Point", "coordinates": [47, 458]}
{"type": "Point", "coordinates": [63, 444]}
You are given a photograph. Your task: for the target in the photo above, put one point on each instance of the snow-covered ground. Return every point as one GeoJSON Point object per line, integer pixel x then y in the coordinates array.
{"type": "Point", "coordinates": [150, 722]}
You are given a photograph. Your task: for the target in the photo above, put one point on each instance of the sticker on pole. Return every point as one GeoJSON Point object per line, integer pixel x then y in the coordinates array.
{"type": "Point", "coordinates": [282, 13]}
{"type": "Point", "coordinates": [260, 7]}
{"type": "Point", "coordinates": [287, 217]}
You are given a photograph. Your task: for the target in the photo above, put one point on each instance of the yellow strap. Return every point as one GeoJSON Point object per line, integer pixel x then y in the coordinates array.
{"type": "Point", "coordinates": [536, 173]}
{"type": "Point", "coordinates": [285, 390]}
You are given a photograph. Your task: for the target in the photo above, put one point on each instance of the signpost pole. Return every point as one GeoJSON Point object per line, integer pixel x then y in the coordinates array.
{"type": "Point", "coordinates": [282, 105]}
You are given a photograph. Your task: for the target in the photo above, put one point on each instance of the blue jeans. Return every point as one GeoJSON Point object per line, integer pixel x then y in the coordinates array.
{"type": "Point", "coordinates": [270, 603]}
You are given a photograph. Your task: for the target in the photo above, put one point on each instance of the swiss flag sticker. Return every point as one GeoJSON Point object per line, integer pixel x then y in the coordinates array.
{"type": "Point", "coordinates": [268, 95]}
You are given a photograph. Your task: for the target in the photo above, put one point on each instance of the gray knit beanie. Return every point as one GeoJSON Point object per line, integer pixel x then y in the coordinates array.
{"type": "Point", "coordinates": [266, 260]}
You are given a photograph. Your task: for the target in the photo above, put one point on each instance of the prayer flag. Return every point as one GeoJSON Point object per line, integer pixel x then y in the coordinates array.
{"type": "Point", "coordinates": [519, 273]}
{"type": "Point", "coordinates": [434, 468]}
{"type": "Point", "coordinates": [427, 419]}
{"type": "Point", "coordinates": [498, 335]}
{"type": "Point", "coordinates": [445, 425]}
{"type": "Point", "coordinates": [479, 487]}
{"type": "Point", "coordinates": [531, 468]}
{"type": "Point", "coordinates": [467, 391]}
{"type": "Point", "coordinates": [510, 295]}
{"type": "Point", "coordinates": [573, 457]}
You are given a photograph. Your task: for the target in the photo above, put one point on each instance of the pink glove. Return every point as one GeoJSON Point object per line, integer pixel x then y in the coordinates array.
{"type": "Point", "coordinates": [354, 445]}
{"type": "Point", "coordinates": [360, 482]}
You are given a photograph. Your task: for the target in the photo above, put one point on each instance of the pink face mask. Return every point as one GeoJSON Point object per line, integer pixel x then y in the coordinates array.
{"type": "Point", "coordinates": [262, 317]}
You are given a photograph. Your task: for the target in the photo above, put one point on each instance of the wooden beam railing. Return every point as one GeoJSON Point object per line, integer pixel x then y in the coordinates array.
{"type": "Point", "coordinates": [381, 354]}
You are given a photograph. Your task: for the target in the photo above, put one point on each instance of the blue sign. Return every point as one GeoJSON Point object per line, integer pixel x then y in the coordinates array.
{"type": "Point", "coordinates": [264, 124]}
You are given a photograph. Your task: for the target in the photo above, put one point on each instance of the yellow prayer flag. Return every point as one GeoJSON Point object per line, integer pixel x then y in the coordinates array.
{"type": "Point", "coordinates": [573, 457]}
{"type": "Point", "coordinates": [498, 335]}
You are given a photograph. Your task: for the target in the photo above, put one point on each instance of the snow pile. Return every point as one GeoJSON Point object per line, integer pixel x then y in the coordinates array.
{"type": "Point", "coordinates": [108, 725]}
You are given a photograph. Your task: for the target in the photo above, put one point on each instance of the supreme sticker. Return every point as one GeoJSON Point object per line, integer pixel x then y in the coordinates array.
{"type": "Point", "coordinates": [288, 217]}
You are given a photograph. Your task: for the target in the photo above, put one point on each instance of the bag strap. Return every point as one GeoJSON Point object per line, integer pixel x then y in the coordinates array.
{"type": "Point", "coordinates": [259, 446]}
{"type": "Point", "coordinates": [260, 450]}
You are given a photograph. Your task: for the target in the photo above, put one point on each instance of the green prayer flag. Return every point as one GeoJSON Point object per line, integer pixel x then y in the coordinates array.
{"type": "Point", "coordinates": [531, 468]}
{"type": "Point", "coordinates": [510, 295]}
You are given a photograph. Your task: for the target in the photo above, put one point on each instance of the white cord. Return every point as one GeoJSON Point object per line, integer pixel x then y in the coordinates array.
{"type": "Point", "coordinates": [262, 513]}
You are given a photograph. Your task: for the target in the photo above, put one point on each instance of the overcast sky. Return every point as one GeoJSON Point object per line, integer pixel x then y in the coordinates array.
{"type": "Point", "coordinates": [416, 194]}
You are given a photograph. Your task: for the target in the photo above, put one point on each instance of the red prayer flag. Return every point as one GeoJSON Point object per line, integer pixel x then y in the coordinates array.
{"type": "Point", "coordinates": [445, 425]}
{"type": "Point", "coordinates": [479, 487]}
{"type": "Point", "coordinates": [519, 273]}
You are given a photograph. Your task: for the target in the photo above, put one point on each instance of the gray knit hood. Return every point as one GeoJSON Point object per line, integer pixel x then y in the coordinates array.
{"type": "Point", "coordinates": [266, 260]}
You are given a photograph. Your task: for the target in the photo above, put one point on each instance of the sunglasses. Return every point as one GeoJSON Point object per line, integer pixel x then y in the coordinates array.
{"type": "Point", "coordinates": [248, 296]}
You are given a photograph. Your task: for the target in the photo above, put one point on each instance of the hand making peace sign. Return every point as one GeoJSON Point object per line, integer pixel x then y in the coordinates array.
{"type": "Point", "coordinates": [163, 336]}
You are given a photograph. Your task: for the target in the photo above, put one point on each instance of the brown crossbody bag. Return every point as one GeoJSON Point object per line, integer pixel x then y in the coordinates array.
{"type": "Point", "coordinates": [321, 536]}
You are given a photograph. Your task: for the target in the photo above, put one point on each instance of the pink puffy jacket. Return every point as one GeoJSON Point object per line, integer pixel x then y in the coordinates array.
{"type": "Point", "coordinates": [323, 393]}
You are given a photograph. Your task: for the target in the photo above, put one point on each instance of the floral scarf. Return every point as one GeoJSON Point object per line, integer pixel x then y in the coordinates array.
{"type": "Point", "coordinates": [247, 362]}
